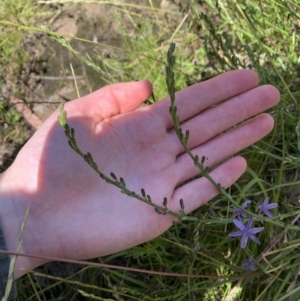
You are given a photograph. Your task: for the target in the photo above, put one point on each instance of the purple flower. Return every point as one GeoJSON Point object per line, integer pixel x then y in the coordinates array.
{"type": "Point", "coordinates": [265, 207]}
{"type": "Point", "coordinates": [249, 265]}
{"type": "Point", "coordinates": [240, 213]}
{"type": "Point", "coordinates": [246, 231]}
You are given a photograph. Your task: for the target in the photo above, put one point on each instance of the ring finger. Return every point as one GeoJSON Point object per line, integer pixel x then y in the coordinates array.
{"type": "Point", "coordinates": [222, 147]}
{"type": "Point", "coordinates": [220, 118]}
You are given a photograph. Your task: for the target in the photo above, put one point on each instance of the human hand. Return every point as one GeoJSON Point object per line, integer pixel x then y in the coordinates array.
{"type": "Point", "coordinates": [75, 214]}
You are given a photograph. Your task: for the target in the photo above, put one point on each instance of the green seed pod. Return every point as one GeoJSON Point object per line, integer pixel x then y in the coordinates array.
{"type": "Point", "coordinates": [113, 176]}
{"type": "Point", "coordinates": [122, 182]}
{"type": "Point", "coordinates": [181, 204]}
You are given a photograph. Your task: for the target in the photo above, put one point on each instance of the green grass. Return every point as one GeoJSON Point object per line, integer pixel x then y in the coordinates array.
{"type": "Point", "coordinates": [13, 130]}
{"type": "Point", "coordinates": [262, 35]}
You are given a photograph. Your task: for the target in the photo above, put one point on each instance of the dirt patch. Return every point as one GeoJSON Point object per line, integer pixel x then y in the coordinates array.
{"type": "Point", "coordinates": [47, 80]}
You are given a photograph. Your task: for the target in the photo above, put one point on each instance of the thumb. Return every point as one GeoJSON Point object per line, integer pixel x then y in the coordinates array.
{"type": "Point", "coordinates": [111, 100]}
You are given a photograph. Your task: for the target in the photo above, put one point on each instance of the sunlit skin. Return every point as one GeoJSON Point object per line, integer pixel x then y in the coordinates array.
{"type": "Point", "coordinates": [74, 214]}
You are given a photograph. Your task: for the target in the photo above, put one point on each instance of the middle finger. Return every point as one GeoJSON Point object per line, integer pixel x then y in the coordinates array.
{"type": "Point", "coordinates": [220, 118]}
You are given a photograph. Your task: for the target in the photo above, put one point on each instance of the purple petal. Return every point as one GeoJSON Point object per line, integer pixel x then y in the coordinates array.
{"type": "Point", "coordinates": [272, 206]}
{"type": "Point", "coordinates": [249, 224]}
{"type": "Point", "coordinates": [244, 241]}
{"type": "Point", "coordinates": [239, 213]}
{"type": "Point", "coordinates": [256, 230]}
{"type": "Point", "coordinates": [249, 264]}
{"type": "Point", "coordinates": [254, 238]}
{"type": "Point", "coordinates": [239, 224]}
{"type": "Point", "coordinates": [236, 233]}
{"type": "Point", "coordinates": [246, 203]}
{"type": "Point", "coordinates": [268, 213]}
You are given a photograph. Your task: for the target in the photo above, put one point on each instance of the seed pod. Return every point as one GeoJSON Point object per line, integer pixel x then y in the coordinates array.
{"type": "Point", "coordinates": [90, 157]}
{"type": "Point", "coordinates": [72, 132]}
{"type": "Point", "coordinates": [181, 204]}
{"type": "Point", "coordinates": [122, 182]}
{"type": "Point", "coordinates": [187, 135]}
{"type": "Point", "coordinates": [113, 176]}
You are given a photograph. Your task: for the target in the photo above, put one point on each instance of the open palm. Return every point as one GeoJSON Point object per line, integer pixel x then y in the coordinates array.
{"type": "Point", "coordinates": [73, 213]}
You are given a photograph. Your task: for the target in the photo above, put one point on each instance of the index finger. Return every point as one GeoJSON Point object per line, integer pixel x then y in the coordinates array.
{"type": "Point", "coordinates": [195, 99]}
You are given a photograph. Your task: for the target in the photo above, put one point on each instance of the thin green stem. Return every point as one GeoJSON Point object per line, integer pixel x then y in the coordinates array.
{"type": "Point", "coordinates": [70, 134]}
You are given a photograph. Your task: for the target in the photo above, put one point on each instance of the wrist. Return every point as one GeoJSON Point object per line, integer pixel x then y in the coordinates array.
{"type": "Point", "coordinates": [5, 274]}
{"type": "Point", "coordinates": [13, 205]}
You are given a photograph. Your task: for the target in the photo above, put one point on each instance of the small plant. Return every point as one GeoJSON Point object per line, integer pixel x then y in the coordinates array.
{"type": "Point", "coordinates": [246, 231]}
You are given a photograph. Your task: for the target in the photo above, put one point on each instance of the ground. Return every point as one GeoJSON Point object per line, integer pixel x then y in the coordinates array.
{"type": "Point", "coordinates": [45, 80]}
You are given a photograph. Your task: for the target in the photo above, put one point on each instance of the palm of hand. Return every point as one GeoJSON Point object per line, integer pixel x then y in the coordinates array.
{"type": "Point", "coordinates": [135, 146]}
{"type": "Point", "coordinates": [78, 215]}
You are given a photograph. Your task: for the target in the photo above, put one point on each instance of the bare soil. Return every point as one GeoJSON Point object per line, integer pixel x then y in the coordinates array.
{"type": "Point", "coordinates": [46, 80]}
